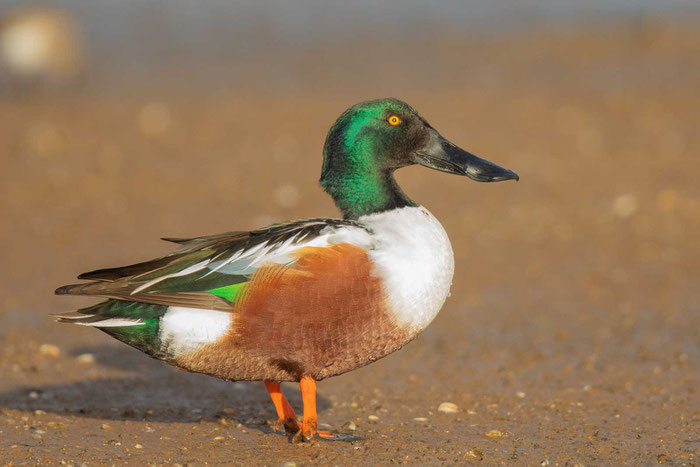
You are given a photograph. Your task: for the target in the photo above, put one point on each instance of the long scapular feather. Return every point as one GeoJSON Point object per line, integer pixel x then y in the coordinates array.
{"type": "Point", "coordinates": [184, 272]}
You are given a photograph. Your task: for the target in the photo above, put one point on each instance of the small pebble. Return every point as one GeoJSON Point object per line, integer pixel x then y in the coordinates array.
{"type": "Point", "coordinates": [289, 464]}
{"type": "Point", "coordinates": [475, 453]}
{"type": "Point", "coordinates": [420, 419]}
{"type": "Point", "coordinates": [85, 358]}
{"type": "Point", "coordinates": [520, 394]}
{"type": "Point", "coordinates": [625, 205]}
{"type": "Point", "coordinates": [138, 446]}
{"type": "Point", "coordinates": [49, 350]}
{"type": "Point", "coordinates": [448, 407]}
{"type": "Point", "coordinates": [349, 426]}
{"type": "Point", "coordinates": [218, 438]}
{"type": "Point", "coordinates": [104, 426]}
{"type": "Point", "coordinates": [33, 395]}
{"type": "Point", "coordinates": [39, 412]}
{"type": "Point", "coordinates": [494, 434]}
{"type": "Point", "coordinates": [373, 419]}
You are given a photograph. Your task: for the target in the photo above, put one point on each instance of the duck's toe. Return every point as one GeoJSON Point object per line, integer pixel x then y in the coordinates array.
{"type": "Point", "coordinates": [303, 436]}
{"type": "Point", "coordinates": [330, 436]}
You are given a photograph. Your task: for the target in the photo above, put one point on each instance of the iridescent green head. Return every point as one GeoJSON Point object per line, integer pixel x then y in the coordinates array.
{"type": "Point", "coordinates": [372, 139]}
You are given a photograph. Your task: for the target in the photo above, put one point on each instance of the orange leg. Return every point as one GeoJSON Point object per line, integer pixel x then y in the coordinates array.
{"type": "Point", "coordinates": [285, 412]}
{"type": "Point", "coordinates": [309, 429]}
{"type": "Point", "coordinates": [308, 396]}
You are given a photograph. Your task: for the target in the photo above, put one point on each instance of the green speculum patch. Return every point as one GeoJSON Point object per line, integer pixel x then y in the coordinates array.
{"type": "Point", "coordinates": [228, 292]}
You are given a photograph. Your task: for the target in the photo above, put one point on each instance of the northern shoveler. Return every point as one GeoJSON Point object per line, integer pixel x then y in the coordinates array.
{"type": "Point", "coordinates": [308, 299]}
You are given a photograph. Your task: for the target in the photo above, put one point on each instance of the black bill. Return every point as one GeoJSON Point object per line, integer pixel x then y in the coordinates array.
{"type": "Point", "coordinates": [440, 154]}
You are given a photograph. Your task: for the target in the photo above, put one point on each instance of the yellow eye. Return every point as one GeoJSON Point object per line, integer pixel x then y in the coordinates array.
{"type": "Point", "coordinates": [394, 120]}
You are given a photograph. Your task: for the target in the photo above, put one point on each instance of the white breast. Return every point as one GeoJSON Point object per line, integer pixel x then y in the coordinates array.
{"type": "Point", "coordinates": [414, 258]}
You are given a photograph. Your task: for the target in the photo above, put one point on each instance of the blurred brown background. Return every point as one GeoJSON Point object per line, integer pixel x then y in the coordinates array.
{"type": "Point", "coordinates": [571, 336]}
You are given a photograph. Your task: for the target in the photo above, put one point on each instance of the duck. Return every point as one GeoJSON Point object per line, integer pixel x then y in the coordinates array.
{"type": "Point", "coordinates": [303, 300]}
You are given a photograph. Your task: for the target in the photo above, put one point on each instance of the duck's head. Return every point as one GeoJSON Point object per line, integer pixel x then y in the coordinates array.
{"type": "Point", "coordinates": [372, 139]}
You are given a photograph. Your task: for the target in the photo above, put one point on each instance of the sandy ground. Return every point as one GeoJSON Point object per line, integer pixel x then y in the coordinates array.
{"type": "Point", "coordinates": [570, 338]}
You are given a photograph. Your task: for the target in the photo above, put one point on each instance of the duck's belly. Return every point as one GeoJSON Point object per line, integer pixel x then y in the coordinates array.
{"type": "Point", "coordinates": [299, 348]}
{"type": "Point", "coordinates": [338, 308]}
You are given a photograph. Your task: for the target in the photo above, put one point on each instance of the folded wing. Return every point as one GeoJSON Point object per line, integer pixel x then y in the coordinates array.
{"type": "Point", "coordinates": [208, 272]}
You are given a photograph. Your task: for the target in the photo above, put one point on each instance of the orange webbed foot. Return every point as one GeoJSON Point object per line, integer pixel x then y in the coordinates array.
{"type": "Point", "coordinates": [287, 420]}
{"type": "Point", "coordinates": [323, 435]}
{"type": "Point", "coordinates": [330, 436]}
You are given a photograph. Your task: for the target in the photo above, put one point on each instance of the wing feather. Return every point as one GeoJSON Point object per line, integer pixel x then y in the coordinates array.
{"type": "Point", "coordinates": [188, 275]}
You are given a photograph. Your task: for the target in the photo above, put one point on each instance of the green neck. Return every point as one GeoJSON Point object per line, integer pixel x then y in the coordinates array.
{"type": "Point", "coordinates": [358, 192]}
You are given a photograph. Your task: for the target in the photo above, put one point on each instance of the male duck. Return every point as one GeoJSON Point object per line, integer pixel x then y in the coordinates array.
{"type": "Point", "coordinates": [304, 300]}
